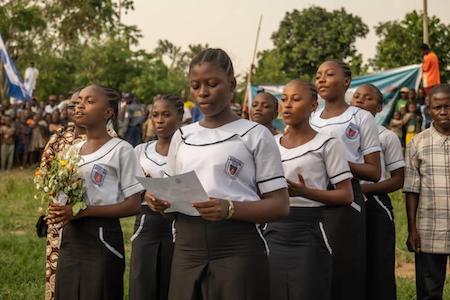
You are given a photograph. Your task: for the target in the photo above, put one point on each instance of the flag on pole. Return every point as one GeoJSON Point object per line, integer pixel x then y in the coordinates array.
{"type": "Point", "coordinates": [15, 87]}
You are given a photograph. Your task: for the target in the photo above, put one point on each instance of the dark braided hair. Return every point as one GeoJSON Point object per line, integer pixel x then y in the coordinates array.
{"type": "Point", "coordinates": [311, 87]}
{"type": "Point", "coordinates": [175, 101]}
{"type": "Point", "coordinates": [378, 93]}
{"type": "Point", "coordinates": [113, 98]}
{"type": "Point", "coordinates": [217, 57]}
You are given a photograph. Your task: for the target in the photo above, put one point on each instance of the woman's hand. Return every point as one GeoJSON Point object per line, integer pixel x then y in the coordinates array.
{"type": "Point", "coordinates": [59, 214]}
{"type": "Point", "coordinates": [213, 209]}
{"type": "Point", "coordinates": [296, 188]}
{"type": "Point", "coordinates": [156, 205]}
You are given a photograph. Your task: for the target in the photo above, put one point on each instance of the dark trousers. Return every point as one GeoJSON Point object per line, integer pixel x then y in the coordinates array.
{"type": "Point", "coordinates": [346, 226]}
{"type": "Point", "coordinates": [380, 248]}
{"type": "Point", "coordinates": [430, 275]}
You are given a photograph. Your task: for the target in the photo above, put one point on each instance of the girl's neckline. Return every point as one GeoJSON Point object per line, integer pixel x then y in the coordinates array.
{"type": "Point", "coordinates": [343, 112]}
{"type": "Point", "coordinates": [100, 148]}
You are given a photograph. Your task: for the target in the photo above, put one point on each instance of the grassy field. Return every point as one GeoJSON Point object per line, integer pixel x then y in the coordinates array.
{"type": "Point", "coordinates": [23, 254]}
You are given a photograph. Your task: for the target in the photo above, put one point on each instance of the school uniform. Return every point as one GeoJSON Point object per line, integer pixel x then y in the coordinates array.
{"type": "Point", "coordinates": [152, 242]}
{"type": "Point", "coordinates": [225, 259]}
{"type": "Point", "coordinates": [91, 262]}
{"type": "Point", "coordinates": [301, 256]}
{"type": "Point", "coordinates": [380, 224]}
{"type": "Point", "coordinates": [357, 130]}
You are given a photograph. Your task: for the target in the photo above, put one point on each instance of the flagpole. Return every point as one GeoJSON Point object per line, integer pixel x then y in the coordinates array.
{"type": "Point", "coordinates": [245, 108]}
{"type": "Point", "coordinates": [425, 22]}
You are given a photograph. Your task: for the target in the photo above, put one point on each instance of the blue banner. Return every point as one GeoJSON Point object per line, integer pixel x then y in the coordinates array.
{"type": "Point", "coordinates": [15, 86]}
{"type": "Point", "coordinates": [389, 82]}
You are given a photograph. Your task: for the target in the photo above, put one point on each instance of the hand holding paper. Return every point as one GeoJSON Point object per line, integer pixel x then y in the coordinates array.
{"type": "Point", "coordinates": [180, 191]}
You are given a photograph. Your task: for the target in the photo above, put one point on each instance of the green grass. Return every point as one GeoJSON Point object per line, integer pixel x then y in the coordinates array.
{"type": "Point", "coordinates": [22, 254]}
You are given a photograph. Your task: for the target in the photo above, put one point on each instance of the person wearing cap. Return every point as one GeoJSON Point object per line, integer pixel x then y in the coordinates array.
{"type": "Point", "coordinates": [403, 100]}
{"type": "Point", "coordinates": [430, 69]}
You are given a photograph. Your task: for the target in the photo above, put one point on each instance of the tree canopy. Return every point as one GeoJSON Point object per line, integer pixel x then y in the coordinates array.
{"type": "Point", "coordinates": [400, 43]}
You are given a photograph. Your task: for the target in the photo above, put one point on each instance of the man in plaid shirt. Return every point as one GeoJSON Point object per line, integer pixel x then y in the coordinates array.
{"type": "Point", "coordinates": [427, 188]}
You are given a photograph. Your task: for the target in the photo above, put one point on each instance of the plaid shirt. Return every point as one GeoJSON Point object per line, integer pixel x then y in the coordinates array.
{"type": "Point", "coordinates": [428, 174]}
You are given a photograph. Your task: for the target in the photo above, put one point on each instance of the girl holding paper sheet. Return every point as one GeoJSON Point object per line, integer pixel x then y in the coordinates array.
{"type": "Point", "coordinates": [152, 242]}
{"type": "Point", "coordinates": [220, 253]}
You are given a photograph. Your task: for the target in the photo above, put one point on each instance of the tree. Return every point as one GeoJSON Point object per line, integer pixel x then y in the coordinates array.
{"type": "Point", "coordinates": [400, 42]}
{"type": "Point", "coordinates": [306, 38]}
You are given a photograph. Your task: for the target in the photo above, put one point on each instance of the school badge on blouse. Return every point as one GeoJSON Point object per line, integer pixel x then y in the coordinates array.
{"type": "Point", "coordinates": [233, 166]}
{"type": "Point", "coordinates": [352, 131]}
{"type": "Point", "coordinates": [98, 175]}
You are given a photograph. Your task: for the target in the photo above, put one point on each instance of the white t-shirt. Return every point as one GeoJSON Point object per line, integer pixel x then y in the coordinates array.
{"type": "Point", "coordinates": [320, 161]}
{"type": "Point", "coordinates": [237, 161]}
{"type": "Point", "coordinates": [110, 173]}
{"type": "Point", "coordinates": [152, 163]}
{"type": "Point", "coordinates": [355, 128]}
{"type": "Point", "coordinates": [391, 152]}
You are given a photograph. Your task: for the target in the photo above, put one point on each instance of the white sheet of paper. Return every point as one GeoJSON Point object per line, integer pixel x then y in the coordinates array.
{"type": "Point", "coordinates": [179, 190]}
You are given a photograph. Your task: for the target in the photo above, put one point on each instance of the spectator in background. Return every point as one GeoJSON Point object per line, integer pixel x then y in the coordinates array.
{"type": "Point", "coordinates": [403, 100]}
{"type": "Point", "coordinates": [136, 116]}
{"type": "Point", "coordinates": [23, 134]}
{"type": "Point", "coordinates": [420, 96]}
{"type": "Point", "coordinates": [7, 143]}
{"type": "Point", "coordinates": [411, 122]}
{"type": "Point", "coordinates": [412, 96]}
{"type": "Point", "coordinates": [55, 122]}
{"type": "Point", "coordinates": [148, 131]}
{"type": "Point", "coordinates": [123, 116]}
{"type": "Point", "coordinates": [52, 104]}
{"type": "Point", "coordinates": [430, 69]}
{"type": "Point", "coordinates": [396, 125]}
{"type": "Point", "coordinates": [38, 141]}
{"type": "Point", "coordinates": [425, 113]}
{"type": "Point", "coordinates": [30, 78]}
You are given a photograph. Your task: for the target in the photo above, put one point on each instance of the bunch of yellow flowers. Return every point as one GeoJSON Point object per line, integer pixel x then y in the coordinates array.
{"type": "Point", "coordinates": [60, 182]}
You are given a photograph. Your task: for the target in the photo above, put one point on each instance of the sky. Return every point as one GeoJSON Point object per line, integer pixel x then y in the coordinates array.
{"type": "Point", "coordinates": [232, 24]}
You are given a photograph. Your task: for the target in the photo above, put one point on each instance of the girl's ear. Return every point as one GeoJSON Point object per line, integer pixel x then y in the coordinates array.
{"type": "Point", "coordinates": [347, 82]}
{"type": "Point", "coordinates": [379, 108]}
{"type": "Point", "coordinates": [233, 84]}
{"type": "Point", "coordinates": [314, 105]}
{"type": "Point", "coordinates": [109, 113]}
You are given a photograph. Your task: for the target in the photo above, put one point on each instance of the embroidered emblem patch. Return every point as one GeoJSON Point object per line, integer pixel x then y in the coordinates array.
{"type": "Point", "coordinates": [98, 175]}
{"type": "Point", "coordinates": [352, 131]}
{"type": "Point", "coordinates": [233, 166]}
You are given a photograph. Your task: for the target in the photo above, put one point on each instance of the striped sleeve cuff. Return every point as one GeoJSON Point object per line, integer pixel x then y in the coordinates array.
{"type": "Point", "coordinates": [371, 150]}
{"type": "Point", "coordinates": [395, 165]}
{"type": "Point", "coordinates": [341, 177]}
{"type": "Point", "coordinates": [133, 189]}
{"type": "Point", "coordinates": [272, 184]}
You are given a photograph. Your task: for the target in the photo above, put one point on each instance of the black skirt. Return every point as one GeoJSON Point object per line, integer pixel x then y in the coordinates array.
{"type": "Point", "coordinates": [300, 256]}
{"type": "Point", "coordinates": [151, 256]}
{"type": "Point", "coordinates": [218, 261]}
{"type": "Point", "coordinates": [380, 248]}
{"type": "Point", "coordinates": [346, 226]}
{"type": "Point", "coordinates": [91, 260]}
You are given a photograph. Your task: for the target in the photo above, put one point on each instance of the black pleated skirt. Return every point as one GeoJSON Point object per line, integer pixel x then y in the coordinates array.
{"type": "Point", "coordinates": [346, 226]}
{"type": "Point", "coordinates": [218, 261]}
{"type": "Point", "coordinates": [380, 248]}
{"type": "Point", "coordinates": [151, 256]}
{"type": "Point", "coordinates": [300, 256]}
{"type": "Point", "coordinates": [91, 261]}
